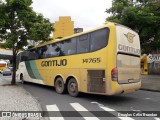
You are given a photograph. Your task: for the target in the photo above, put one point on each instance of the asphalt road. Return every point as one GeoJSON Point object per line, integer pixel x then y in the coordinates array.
{"type": "Point", "coordinates": [133, 103]}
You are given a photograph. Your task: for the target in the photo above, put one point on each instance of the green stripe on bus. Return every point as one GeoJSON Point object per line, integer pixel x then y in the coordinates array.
{"type": "Point", "coordinates": [32, 70]}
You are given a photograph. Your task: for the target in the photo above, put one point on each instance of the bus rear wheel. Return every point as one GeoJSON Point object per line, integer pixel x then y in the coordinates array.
{"type": "Point", "coordinates": [21, 78]}
{"type": "Point", "coordinates": [60, 86]}
{"type": "Point", "coordinates": [73, 87]}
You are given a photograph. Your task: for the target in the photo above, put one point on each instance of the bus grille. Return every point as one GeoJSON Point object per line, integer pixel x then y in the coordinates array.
{"type": "Point", "coordinates": [95, 81]}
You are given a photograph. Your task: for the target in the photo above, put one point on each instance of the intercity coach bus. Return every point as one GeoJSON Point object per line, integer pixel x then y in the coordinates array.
{"type": "Point", "coordinates": [105, 61]}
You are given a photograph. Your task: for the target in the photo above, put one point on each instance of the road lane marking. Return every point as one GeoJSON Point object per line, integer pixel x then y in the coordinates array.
{"type": "Point", "coordinates": [54, 108]}
{"type": "Point", "coordinates": [79, 108]}
{"type": "Point", "coordinates": [111, 110]}
{"type": "Point", "coordinates": [134, 109]}
{"type": "Point", "coordinates": [97, 103]}
{"type": "Point", "coordinates": [147, 98]}
{"type": "Point", "coordinates": [156, 118]}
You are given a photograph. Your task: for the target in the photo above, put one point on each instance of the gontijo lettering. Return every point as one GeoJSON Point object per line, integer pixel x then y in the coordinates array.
{"type": "Point", "coordinates": [49, 63]}
{"type": "Point", "coordinates": [129, 49]}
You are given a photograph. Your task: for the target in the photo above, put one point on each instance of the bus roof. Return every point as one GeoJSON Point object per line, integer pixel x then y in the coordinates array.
{"type": "Point", "coordinates": [74, 35]}
{"type": "Point", "coordinates": [1, 61]}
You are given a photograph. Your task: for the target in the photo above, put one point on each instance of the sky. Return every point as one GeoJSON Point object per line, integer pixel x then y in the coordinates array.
{"type": "Point", "coordinates": [86, 14]}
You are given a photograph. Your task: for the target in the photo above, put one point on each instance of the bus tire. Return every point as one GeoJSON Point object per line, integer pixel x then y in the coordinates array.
{"type": "Point", "coordinates": [72, 87]}
{"type": "Point", "coordinates": [22, 79]}
{"type": "Point", "coordinates": [60, 86]}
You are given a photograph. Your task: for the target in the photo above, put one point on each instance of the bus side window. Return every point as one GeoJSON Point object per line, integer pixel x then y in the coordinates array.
{"type": "Point", "coordinates": [47, 53]}
{"type": "Point", "coordinates": [24, 56]}
{"type": "Point", "coordinates": [54, 50]}
{"type": "Point", "coordinates": [99, 39]}
{"type": "Point", "coordinates": [32, 54]}
{"type": "Point", "coordinates": [43, 52]}
{"type": "Point", "coordinates": [59, 50]}
{"type": "Point", "coordinates": [83, 44]}
{"type": "Point", "coordinates": [68, 47]}
{"type": "Point", "coordinates": [70, 52]}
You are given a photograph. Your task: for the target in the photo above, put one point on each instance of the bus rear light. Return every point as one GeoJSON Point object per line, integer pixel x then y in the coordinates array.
{"type": "Point", "coordinates": [114, 74]}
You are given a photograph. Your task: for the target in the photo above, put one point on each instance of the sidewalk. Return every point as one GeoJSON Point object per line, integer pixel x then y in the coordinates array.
{"type": "Point", "coordinates": [150, 83]}
{"type": "Point", "coordinates": [15, 98]}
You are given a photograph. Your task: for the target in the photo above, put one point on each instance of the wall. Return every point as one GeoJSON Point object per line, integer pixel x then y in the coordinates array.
{"type": "Point", "coordinates": [154, 64]}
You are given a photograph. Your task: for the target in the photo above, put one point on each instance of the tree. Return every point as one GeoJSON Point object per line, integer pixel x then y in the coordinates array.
{"type": "Point", "coordinates": [142, 16]}
{"type": "Point", "coordinates": [19, 23]}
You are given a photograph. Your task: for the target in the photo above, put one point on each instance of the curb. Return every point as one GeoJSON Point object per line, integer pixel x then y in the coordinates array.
{"type": "Point", "coordinates": [37, 102]}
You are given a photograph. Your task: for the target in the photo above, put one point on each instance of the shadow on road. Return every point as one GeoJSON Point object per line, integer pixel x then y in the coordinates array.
{"type": "Point", "coordinates": [115, 99]}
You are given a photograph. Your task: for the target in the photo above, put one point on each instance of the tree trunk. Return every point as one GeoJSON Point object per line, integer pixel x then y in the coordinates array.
{"type": "Point", "coordinates": [13, 82]}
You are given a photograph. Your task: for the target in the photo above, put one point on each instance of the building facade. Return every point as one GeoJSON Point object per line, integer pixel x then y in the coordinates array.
{"type": "Point", "coordinates": [150, 64]}
{"type": "Point", "coordinates": [64, 27]}
{"type": "Point", "coordinates": [78, 30]}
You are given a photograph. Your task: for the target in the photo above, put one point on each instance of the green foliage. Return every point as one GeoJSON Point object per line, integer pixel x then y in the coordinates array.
{"type": "Point", "coordinates": [143, 17]}
{"type": "Point", "coordinates": [19, 23]}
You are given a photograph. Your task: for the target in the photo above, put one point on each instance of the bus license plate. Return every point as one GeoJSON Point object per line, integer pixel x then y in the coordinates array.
{"type": "Point", "coordinates": [131, 80]}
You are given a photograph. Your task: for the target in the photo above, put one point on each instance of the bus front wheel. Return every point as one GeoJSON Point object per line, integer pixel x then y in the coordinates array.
{"type": "Point", "coordinates": [73, 87]}
{"type": "Point", "coordinates": [59, 85]}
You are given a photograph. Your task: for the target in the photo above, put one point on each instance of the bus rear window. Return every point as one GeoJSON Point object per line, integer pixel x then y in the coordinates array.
{"type": "Point", "coordinates": [128, 61]}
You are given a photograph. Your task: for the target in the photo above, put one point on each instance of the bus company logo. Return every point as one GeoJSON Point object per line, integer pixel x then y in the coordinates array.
{"type": "Point", "coordinates": [130, 37]}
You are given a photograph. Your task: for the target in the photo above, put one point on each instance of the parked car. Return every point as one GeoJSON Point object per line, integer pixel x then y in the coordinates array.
{"type": "Point", "coordinates": [11, 68]}
{"type": "Point", "coordinates": [6, 71]}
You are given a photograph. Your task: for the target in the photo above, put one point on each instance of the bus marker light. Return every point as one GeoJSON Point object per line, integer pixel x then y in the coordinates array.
{"type": "Point", "coordinates": [114, 74]}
